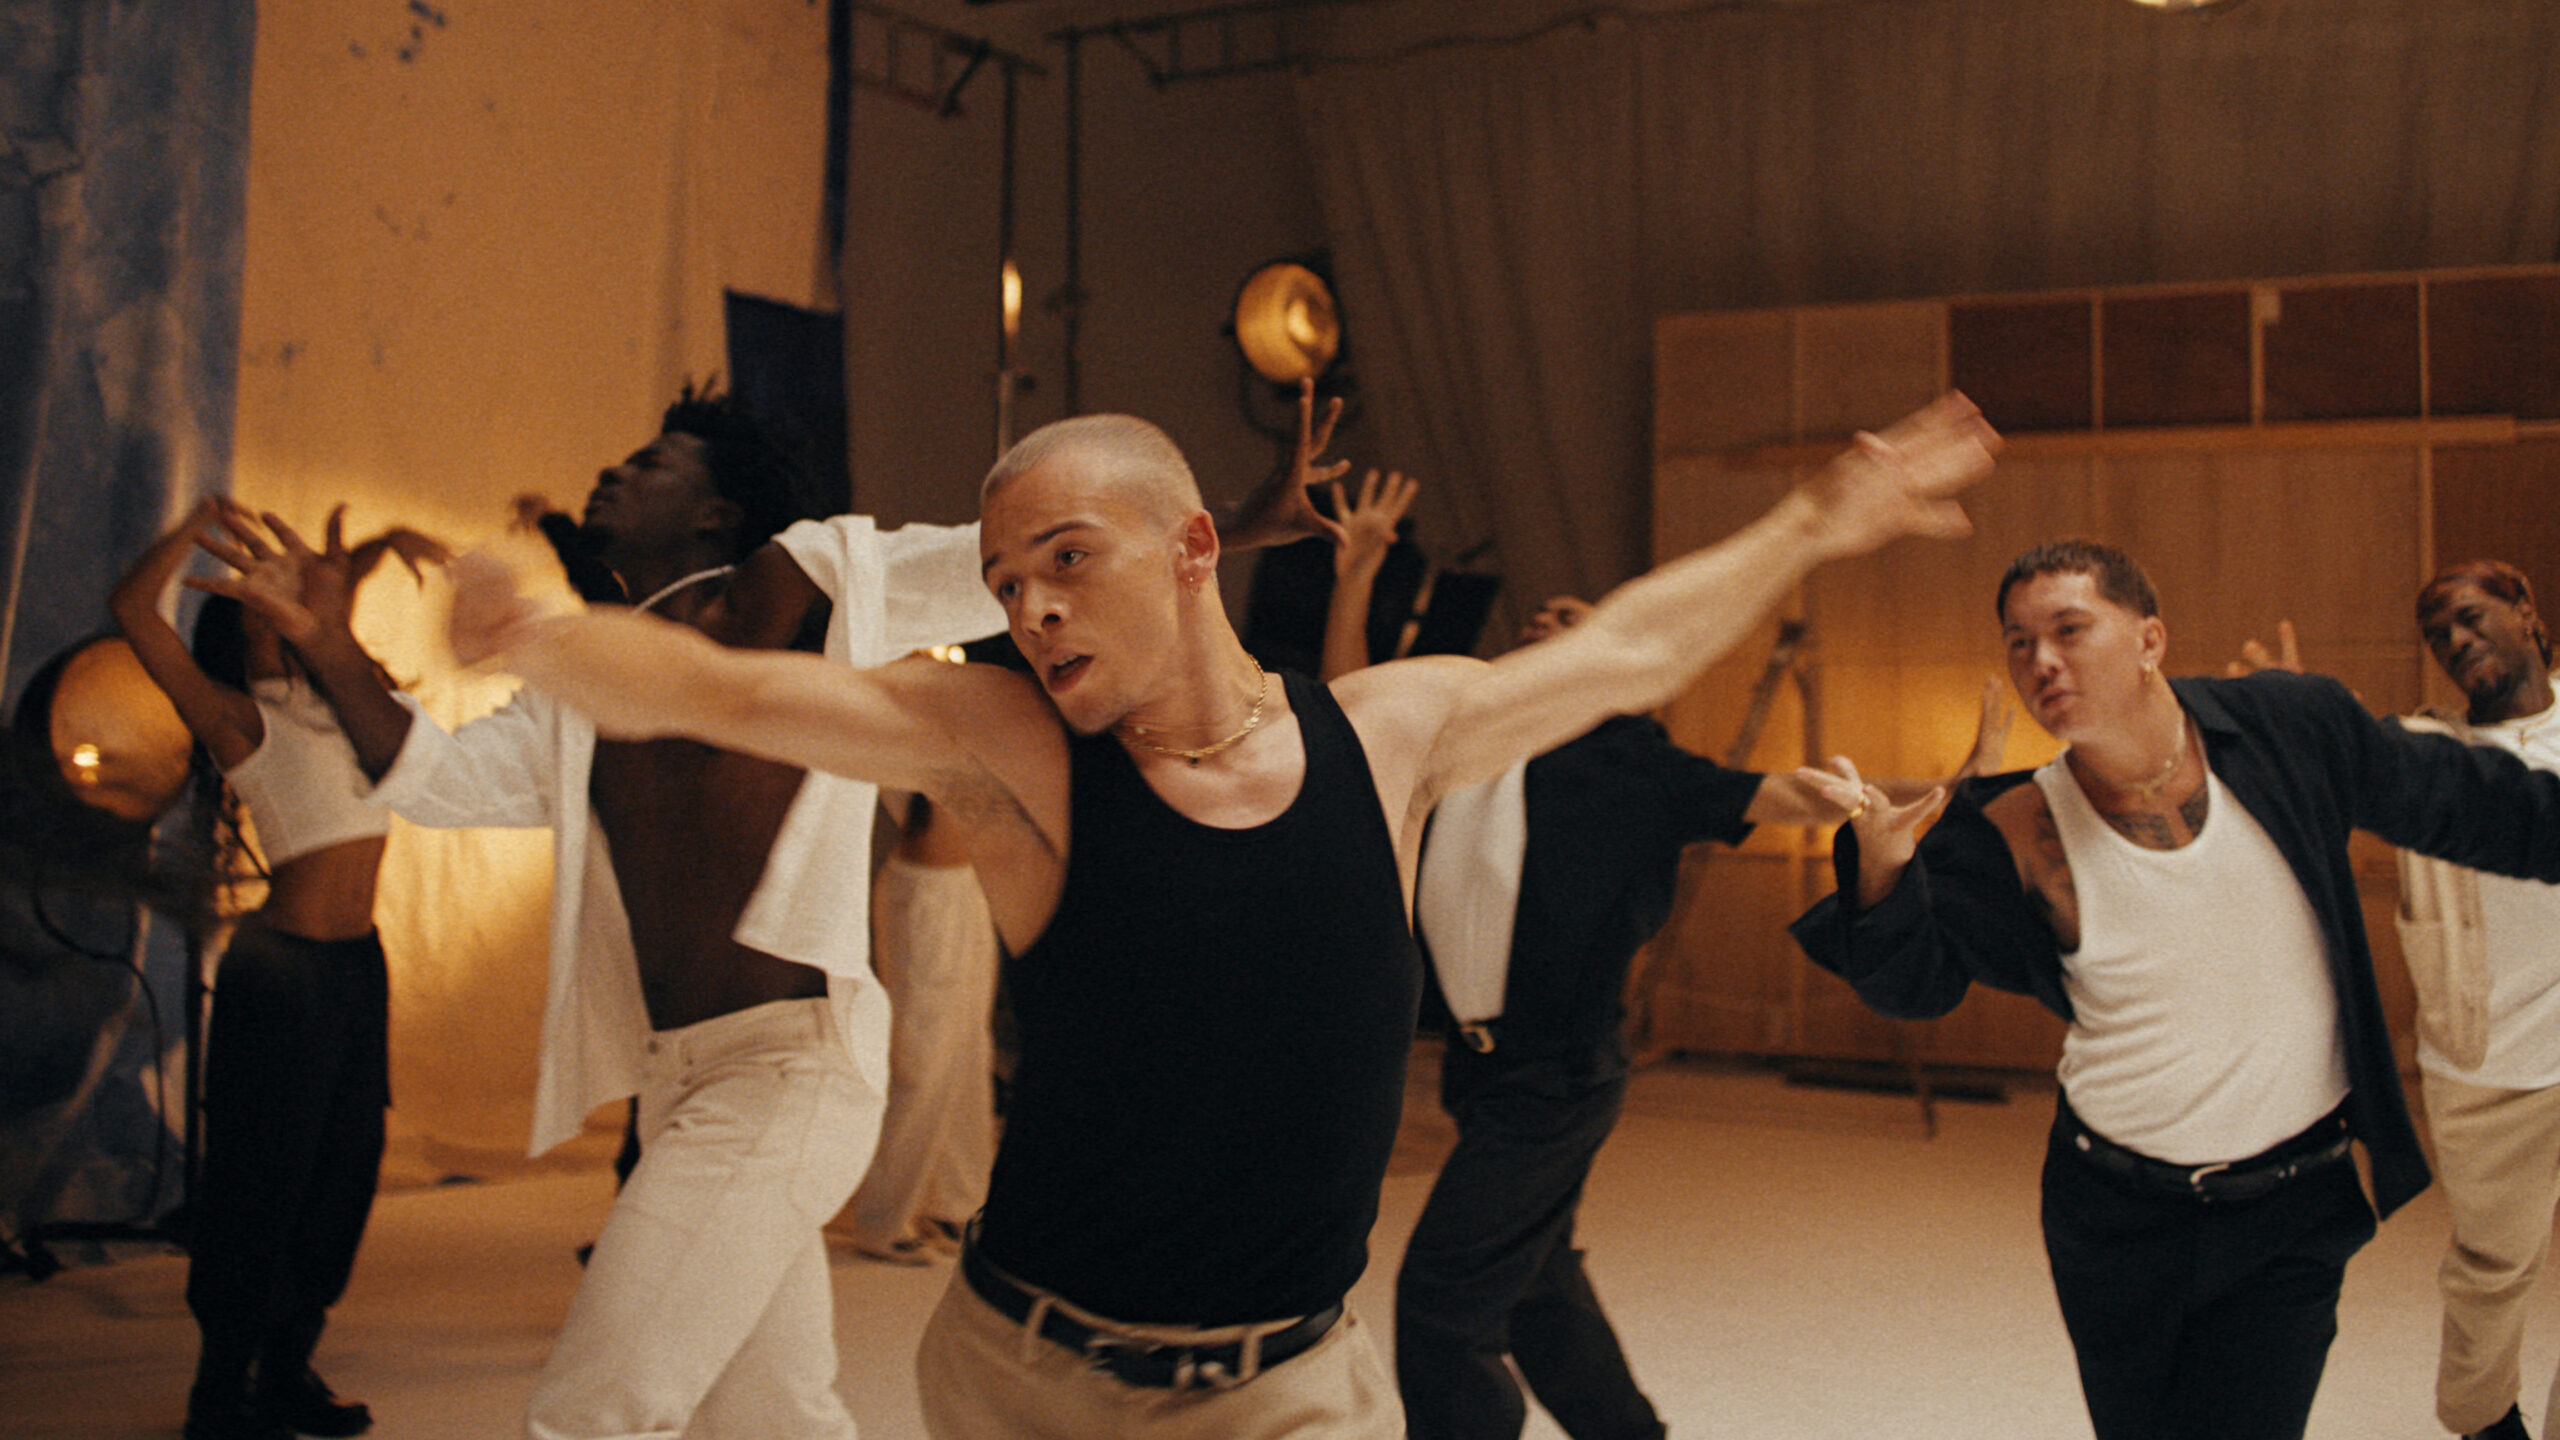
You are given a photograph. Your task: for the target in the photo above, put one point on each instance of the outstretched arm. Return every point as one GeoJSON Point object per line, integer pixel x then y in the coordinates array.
{"type": "Point", "coordinates": [1368, 532]}
{"type": "Point", "coordinates": [1650, 637]}
{"type": "Point", "coordinates": [223, 720]}
{"type": "Point", "coordinates": [917, 726]}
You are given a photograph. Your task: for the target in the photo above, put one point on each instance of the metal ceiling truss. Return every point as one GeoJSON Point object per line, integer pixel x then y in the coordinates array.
{"type": "Point", "coordinates": [924, 64]}
{"type": "Point", "coordinates": [1216, 42]}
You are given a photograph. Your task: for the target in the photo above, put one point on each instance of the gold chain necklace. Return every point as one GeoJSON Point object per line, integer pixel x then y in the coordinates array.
{"type": "Point", "coordinates": [1136, 734]}
{"type": "Point", "coordinates": [2148, 788]}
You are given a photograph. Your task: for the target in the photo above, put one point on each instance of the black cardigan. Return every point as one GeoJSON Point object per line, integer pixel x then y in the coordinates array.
{"type": "Point", "coordinates": [2307, 761]}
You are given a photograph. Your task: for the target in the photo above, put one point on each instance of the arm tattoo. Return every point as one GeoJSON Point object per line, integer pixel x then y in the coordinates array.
{"type": "Point", "coordinates": [2050, 870]}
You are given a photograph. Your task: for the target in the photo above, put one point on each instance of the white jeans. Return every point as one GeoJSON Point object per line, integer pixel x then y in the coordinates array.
{"type": "Point", "coordinates": [707, 1299]}
{"type": "Point", "coordinates": [935, 947]}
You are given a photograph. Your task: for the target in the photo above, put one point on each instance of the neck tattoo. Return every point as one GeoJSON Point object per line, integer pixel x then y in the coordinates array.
{"type": "Point", "coordinates": [1137, 734]}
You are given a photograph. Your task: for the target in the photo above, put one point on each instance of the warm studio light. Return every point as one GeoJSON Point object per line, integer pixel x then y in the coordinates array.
{"type": "Point", "coordinates": [1286, 325]}
{"type": "Point", "coordinates": [116, 737]}
{"type": "Point", "coordinates": [1012, 301]}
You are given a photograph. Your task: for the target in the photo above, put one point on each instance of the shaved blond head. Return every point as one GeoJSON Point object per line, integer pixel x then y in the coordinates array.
{"type": "Point", "coordinates": [1137, 459]}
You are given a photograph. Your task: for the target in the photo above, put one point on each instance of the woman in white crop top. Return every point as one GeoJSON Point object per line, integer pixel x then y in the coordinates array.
{"type": "Point", "coordinates": [296, 1057]}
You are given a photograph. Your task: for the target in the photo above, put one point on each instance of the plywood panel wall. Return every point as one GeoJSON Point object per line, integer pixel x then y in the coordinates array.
{"type": "Point", "coordinates": [2244, 513]}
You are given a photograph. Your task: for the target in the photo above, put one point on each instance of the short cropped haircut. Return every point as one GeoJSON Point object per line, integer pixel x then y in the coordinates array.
{"type": "Point", "coordinates": [2496, 579]}
{"type": "Point", "coordinates": [750, 466]}
{"type": "Point", "coordinates": [2119, 579]}
{"type": "Point", "coordinates": [1128, 448]}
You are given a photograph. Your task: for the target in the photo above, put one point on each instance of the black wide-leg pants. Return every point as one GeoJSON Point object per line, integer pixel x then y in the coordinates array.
{"type": "Point", "coordinates": [297, 1076]}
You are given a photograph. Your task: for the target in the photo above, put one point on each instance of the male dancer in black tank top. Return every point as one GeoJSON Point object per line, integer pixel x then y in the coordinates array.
{"type": "Point", "coordinates": [1203, 870]}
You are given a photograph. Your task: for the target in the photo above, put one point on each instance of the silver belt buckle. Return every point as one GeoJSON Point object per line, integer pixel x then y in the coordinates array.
{"type": "Point", "coordinates": [2196, 1177]}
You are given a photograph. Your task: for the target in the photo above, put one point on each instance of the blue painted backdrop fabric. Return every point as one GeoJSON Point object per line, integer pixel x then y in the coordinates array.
{"type": "Point", "coordinates": [124, 139]}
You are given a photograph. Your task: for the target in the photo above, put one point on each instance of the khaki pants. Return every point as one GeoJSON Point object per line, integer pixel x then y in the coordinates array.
{"type": "Point", "coordinates": [2498, 1154]}
{"type": "Point", "coordinates": [984, 1377]}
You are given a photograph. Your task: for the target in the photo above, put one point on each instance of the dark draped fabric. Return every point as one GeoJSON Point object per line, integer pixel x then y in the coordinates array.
{"type": "Point", "coordinates": [1508, 220]}
{"type": "Point", "coordinates": [124, 141]}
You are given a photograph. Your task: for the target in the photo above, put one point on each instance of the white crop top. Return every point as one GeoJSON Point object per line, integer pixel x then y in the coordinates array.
{"type": "Point", "coordinates": [302, 785]}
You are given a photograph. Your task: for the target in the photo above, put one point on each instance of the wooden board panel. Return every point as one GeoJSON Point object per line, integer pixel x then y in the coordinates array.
{"type": "Point", "coordinates": [2493, 346]}
{"type": "Point", "coordinates": [2341, 351]}
{"type": "Point", "coordinates": [1863, 367]}
{"type": "Point", "coordinates": [2028, 363]}
{"type": "Point", "coordinates": [1721, 381]}
{"type": "Point", "coordinates": [1928, 601]}
{"type": "Point", "coordinates": [2330, 523]}
{"type": "Point", "coordinates": [2174, 359]}
{"type": "Point", "coordinates": [2238, 541]}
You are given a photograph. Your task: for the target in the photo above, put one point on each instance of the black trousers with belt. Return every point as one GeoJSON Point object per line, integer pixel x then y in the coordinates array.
{"type": "Point", "coordinates": [1492, 1269]}
{"type": "Point", "coordinates": [297, 1076]}
{"type": "Point", "coordinates": [2196, 1318]}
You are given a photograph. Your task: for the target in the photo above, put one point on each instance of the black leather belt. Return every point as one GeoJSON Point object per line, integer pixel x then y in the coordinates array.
{"type": "Point", "coordinates": [1135, 1361]}
{"type": "Point", "coordinates": [2325, 1144]}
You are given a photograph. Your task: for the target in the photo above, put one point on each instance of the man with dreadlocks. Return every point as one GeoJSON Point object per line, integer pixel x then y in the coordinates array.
{"type": "Point", "coordinates": [708, 949]}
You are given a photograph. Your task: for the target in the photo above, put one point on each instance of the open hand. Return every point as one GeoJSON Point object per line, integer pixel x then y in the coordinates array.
{"type": "Point", "coordinates": [1903, 479]}
{"type": "Point", "coordinates": [415, 550]}
{"type": "Point", "coordinates": [1990, 730]}
{"type": "Point", "coordinates": [1888, 834]}
{"type": "Point", "coordinates": [2254, 656]}
{"type": "Point", "coordinates": [490, 609]}
{"type": "Point", "coordinates": [1369, 525]}
{"type": "Point", "coordinates": [278, 575]}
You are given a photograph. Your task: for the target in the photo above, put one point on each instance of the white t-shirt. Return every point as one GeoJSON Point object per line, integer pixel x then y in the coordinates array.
{"type": "Point", "coordinates": [2522, 921]}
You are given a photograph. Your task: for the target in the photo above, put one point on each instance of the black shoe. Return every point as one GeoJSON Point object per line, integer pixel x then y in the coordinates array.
{"type": "Point", "coordinates": [231, 1417]}
{"type": "Point", "coordinates": [305, 1405]}
{"type": "Point", "coordinates": [2509, 1426]}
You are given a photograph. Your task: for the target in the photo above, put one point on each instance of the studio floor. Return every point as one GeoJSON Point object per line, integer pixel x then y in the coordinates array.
{"type": "Point", "coordinates": [1783, 1261]}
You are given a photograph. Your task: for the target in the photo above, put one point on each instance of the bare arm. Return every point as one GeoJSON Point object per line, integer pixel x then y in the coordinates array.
{"type": "Point", "coordinates": [899, 725]}
{"type": "Point", "coordinates": [1650, 637]}
{"type": "Point", "coordinates": [1368, 532]}
{"type": "Point", "coordinates": [309, 595]}
{"type": "Point", "coordinates": [224, 720]}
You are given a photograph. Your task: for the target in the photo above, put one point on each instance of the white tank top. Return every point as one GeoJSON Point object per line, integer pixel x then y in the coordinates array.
{"type": "Point", "coordinates": [302, 785]}
{"type": "Point", "coordinates": [2205, 1027]}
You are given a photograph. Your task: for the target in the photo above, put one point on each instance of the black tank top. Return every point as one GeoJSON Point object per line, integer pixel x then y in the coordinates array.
{"type": "Point", "coordinates": [1213, 1038]}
